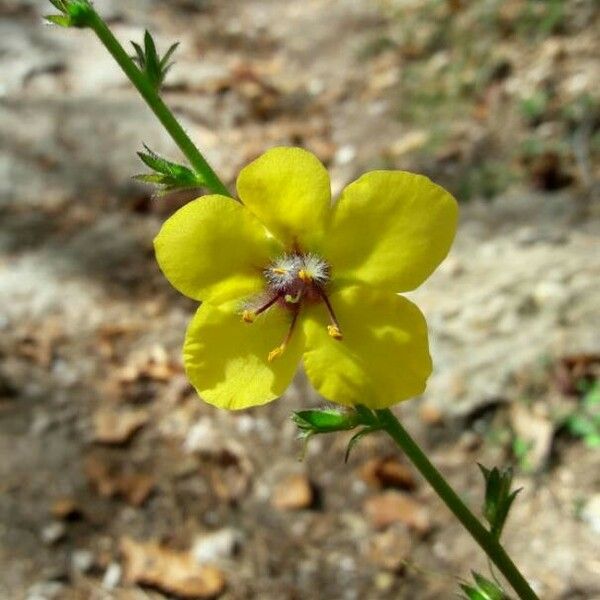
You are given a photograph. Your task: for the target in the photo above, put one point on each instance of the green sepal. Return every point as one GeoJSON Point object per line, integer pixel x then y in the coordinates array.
{"type": "Point", "coordinates": [60, 20]}
{"type": "Point", "coordinates": [150, 63]}
{"type": "Point", "coordinates": [324, 420]}
{"type": "Point", "coordinates": [169, 175]}
{"type": "Point", "coordinates": [498, 497]}
{"type": "Point", "coordinates": [356, 438]}
{"type": "Point", "coordinates": [484, 589]}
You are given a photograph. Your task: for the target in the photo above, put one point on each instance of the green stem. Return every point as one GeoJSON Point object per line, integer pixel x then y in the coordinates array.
{"type": "Point", "coordinates": [481, 535]}
{"type": "Point", "coordinates": [154, 101]}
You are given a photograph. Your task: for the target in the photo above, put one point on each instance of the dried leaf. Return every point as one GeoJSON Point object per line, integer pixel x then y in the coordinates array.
{"type": "Point", "coordinates": [116, 427]}
{"type": "Point", "coordinates": [170, 571]}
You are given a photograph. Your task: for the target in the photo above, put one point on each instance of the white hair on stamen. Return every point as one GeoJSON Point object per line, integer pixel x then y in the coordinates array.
{"type": "Point", "coordinates": [282, 272]}
{"type": "Point", "coordinates": [316, 268]}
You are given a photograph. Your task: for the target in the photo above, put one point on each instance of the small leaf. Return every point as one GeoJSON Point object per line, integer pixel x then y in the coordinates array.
{"type": "Point", "coordinates": [498, 497]}
{"type": "Point", "coordinates": [169, 175]}
{"type": "Point", "coordinates": [139, 58]}
{"type": "Point", "coordinates": [164, 63]}
{"type": "Point", "coordinates": [484, 589]}
{"type": "Point", "coordinates": [150, 63]}
{"type": "Point", "coordinates": [59, 4]}
{"type": "Point", "coordinates": [489, 588]}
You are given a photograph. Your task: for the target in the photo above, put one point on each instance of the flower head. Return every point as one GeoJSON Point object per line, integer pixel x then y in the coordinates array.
{"type": "Point", "coordinates": [285, 277]}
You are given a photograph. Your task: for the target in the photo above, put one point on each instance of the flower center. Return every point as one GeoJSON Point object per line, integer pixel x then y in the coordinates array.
{"type": "Point", "coordinates": [291, 281]}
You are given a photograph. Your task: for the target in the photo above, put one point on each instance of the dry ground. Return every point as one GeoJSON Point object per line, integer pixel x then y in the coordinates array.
{"type": "Point", "coordinates": [105, 448]}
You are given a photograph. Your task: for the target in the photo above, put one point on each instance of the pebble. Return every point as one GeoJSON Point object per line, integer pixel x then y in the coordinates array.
{"type": "Point", "coordinates": [591, 513]}
{"type": "Point", "coordinates": [345, 155]}
{"type": "Point", "coordinates": [112, 576]}
{"type": "Point", "coordinates": [45, 590]}
{"type": "Point", "coordinates": [293, 493]}
{"type": "Point", "coordinates": [217, 545]}
{"type": "Point", "coordinates": [82, 560]}
{"type": "Point", "coordinates": [53, 533]}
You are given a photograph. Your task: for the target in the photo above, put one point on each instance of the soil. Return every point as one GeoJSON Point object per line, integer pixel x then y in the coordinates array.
{"type": "Point", "coordinates": [116, 481]}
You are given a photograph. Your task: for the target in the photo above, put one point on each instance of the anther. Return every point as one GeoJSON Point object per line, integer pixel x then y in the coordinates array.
{"type": "Point", "coordinates": [334, 332]}
{"type": "Point", "coordinates": [305, 276]}
{"type": "Point", "coordinates": [277, 352]}
{"type": "Point", "coordinates": [279, 271]}
{"type": "Point", "coordinates": [248, 315]}
{"type": "Point", "coordinates": [333, 329]}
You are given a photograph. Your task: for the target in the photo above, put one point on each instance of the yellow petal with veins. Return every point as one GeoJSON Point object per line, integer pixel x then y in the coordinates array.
{"type": "Point", "coordinates": [214, 249]}
{"type": "Point", "coordinates": [288, 189]}
{"type": "Point", "coordinates": [390, 229]}
{"type": "Point", "coordinates": [383, 356]}
{"type": "Point", "coordinates": [227, 360]}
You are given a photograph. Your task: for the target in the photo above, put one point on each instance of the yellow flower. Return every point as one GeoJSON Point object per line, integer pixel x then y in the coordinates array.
{"type": "Point", "coordinates": [285, 276]}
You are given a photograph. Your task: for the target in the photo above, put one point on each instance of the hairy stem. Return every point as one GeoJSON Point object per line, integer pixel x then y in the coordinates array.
{"type": "Point", "coordinates": [480, 534]}
{"type": "Point", "coordinates": [158, 107]}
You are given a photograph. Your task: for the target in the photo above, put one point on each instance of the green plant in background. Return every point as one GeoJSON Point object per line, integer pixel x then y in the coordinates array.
{"type": "Point", "coordinates": [584, 422]}
{"type": "Point", "coordinates": [315, 282]}
{"type": "Point", "coordinates": [520, 449]}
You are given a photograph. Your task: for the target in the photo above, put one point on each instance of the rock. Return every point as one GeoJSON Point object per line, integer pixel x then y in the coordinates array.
{"type": "Point", "coordinates": [411, 141]}
{"type": "Point", "coordinates": [392, 506]}
{"type": "Point", "coordinates": [170, 571]}
{"type": "Point", "coordinates": [387, 472]}
{"type": "Point", "coordinates": [431, 414]}
{"type": "Point", "coordinates": [345, 155]}
{"type": "Point", "coordinates": [45, 590]}
{"type": "Point", "coordinates": [53, 533]}
{"type": "Point", "coordinates": [217, 545]}
{"type": "Point", "coordinates": [66, 509]}
{"type": "Point", "coordinates": [391, 548]}
{"type": "Point", "coordinates": [293, 493]}
{"type": "Point", "coordinates": [536, 430]}
{"type": "Point", "coordinates": [82, 560]}
{"type": "Point", "coordinates": [591, 513]}
{"type": "Point", "coordinates": [112, 576]}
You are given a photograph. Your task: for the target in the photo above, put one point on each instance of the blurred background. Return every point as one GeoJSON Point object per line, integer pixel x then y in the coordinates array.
{"type": "Point", "coordinates": [116, 482]}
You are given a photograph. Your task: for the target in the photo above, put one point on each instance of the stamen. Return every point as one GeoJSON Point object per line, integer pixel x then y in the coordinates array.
{"type": "Point", "coordinates": [279, 271]}
{"type": "Point", "coordinates": [248, 315]}
{"type": "Point", "coordinates": [334, 328]}
{"type": "Point", "coordinates": [277, 352]}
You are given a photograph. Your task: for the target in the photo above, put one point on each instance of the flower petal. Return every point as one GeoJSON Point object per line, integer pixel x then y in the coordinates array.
{"type": "Point", "coordinates": [214, 249]}
{"type": "Point", "coordinates": [226, 359]}
{"type": "Point", "coordinates": [390, 229]}
{"type": "Point", "coordinates": [288, 189]}
{"type": "Point", "coordinates": [383, 357]}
